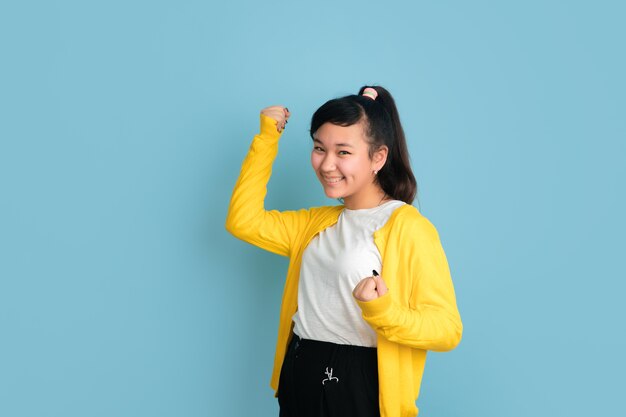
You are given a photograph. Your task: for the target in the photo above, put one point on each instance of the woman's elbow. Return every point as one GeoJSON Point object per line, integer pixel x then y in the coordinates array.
{"type": "Point", "coordinates": [451, 339]}
{"type": "Point", "coordinates": [457, 335]}
{"type": "Point", "coordinates": [234, 225]}
{"type": "Point", "coordinates": [231, 226]}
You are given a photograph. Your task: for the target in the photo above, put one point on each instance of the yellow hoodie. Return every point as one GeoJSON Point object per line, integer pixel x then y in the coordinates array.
{"type": "Point", "coordinates": [419, 312]}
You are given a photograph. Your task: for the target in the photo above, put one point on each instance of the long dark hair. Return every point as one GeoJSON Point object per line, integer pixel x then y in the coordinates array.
{"type": "Point", "coordinates": [383, 127]}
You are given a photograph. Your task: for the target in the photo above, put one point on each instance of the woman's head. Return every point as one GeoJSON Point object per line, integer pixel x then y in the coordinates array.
{"type": "Point", "coordinates": [370, 124]}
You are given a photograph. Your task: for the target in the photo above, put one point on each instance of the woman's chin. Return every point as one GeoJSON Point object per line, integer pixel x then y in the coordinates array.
{"type": "Point", "coordinates": [332, 193]}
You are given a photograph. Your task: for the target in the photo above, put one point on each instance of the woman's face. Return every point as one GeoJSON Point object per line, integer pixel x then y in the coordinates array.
{"type": "Point", "coordinates": [340, 158]}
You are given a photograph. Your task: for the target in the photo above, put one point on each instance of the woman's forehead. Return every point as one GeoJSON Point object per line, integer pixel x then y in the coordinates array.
{"type": "Point", "coordinates": [330, 134]}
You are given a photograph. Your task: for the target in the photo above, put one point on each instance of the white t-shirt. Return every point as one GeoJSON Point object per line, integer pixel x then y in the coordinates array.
{"type": "Point", "coordinates": [333, 263]}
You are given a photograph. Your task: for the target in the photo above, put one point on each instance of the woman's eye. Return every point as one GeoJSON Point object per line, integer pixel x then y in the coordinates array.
{"type": "Point", "coordinates": [318, 149]}
{"type": "Point", "coordinates": [344, 153]}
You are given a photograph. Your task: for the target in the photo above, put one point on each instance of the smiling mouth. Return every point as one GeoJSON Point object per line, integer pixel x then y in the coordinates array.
{"type": "Point", "coordinates": [334, 180]}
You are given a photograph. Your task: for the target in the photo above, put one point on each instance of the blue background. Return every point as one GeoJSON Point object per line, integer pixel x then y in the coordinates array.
{"type": "Point", "coordinates": [123, 127]}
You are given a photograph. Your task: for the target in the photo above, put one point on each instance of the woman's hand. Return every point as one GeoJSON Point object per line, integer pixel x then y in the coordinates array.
{"type": "Point", "coordinates": [370, 288]}
{"type": "Point", "coordinates": [279, 113]}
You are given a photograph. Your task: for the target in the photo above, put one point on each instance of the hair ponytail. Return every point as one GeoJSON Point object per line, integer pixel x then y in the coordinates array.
{"type": "Point", "coordinates": [381, 116]}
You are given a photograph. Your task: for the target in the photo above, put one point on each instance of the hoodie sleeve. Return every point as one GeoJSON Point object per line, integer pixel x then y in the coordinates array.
{"type": "Point", "coordinates": [247, 218]}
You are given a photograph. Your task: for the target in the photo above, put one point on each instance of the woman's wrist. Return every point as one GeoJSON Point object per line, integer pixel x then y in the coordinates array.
{"type": "Point", "coordinates": [268, 127]}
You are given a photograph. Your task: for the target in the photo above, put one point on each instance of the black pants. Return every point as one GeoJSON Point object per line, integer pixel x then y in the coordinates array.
{"type": "Point", "coordinates": [322, 379]}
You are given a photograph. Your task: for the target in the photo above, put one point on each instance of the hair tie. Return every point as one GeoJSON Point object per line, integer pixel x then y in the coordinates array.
{"type": "Point", "coordinates": [370, 92]}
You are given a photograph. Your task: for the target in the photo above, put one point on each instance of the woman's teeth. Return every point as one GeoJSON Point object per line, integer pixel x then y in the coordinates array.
{"type": "Point", "coordinates": [333, 180]}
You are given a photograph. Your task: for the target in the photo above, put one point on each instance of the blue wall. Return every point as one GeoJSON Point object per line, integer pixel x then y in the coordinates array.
{"type": "Point", "coordinates": [123, 127]}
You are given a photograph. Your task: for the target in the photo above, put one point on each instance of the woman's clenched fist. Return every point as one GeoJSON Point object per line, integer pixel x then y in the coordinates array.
{"type": "Point", "coordinates": [279, 113]}
{"type": "Point", "coordinates": [370, 288]}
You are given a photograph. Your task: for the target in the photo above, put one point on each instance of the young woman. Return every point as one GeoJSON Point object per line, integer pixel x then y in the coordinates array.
{"type": "Point", "coordinates": [368, 289]}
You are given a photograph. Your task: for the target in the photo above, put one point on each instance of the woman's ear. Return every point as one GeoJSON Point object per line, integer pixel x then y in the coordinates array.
{"type": "Point", "coordinates": [379, 158]}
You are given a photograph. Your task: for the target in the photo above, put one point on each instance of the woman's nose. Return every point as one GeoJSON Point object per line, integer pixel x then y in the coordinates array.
{"type": "Point", "coordinates": [328, 164]}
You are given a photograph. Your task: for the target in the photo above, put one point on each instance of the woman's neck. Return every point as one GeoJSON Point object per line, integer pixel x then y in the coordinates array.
{"type": "Point", "coordinates": [366, 200]}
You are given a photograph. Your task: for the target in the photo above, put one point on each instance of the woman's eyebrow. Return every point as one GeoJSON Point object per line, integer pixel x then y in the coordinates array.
{"type": "Point", "coordinates": [336, 144]}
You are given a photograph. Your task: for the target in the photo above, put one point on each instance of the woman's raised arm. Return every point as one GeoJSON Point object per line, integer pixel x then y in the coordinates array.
{"type": "Point", "coordinates": [247, 218]}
